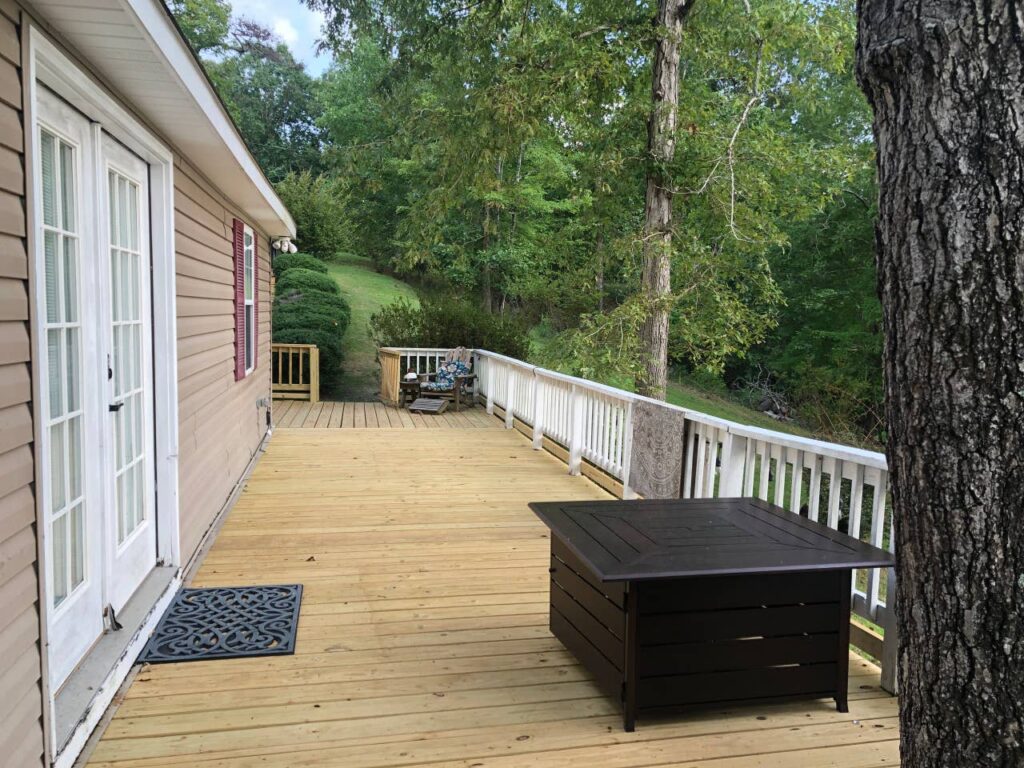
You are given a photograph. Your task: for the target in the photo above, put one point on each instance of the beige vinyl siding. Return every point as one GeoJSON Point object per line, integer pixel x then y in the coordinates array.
{"type": "Point", "coordinates": [220, 425]}
{"type": "Point", "coordinates": [21, 702]}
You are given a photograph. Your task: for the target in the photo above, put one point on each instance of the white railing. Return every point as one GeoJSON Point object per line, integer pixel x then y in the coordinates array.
{"type": "Point", "coordinates": [591, 421]}
{"type": "Point", "coordinates": [843, 487]}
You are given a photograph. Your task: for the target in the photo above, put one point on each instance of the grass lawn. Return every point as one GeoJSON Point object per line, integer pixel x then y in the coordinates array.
{"type": "Point", "coordinates": [688, 396]}
{"type": "Point", "coordinates": [366, 291]}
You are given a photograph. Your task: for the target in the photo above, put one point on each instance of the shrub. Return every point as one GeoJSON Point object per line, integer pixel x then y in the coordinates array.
{"type": "Point", "coordinates": [320, 207]}
{"type": "Point", "coordinates": [448, 322]}
{"type": "Point", "coordinates": [309, 309]}
{"type": "Point", "coordinates": [285, 261]}
{"type": "Point", "coordinates": [314, 310]}
{"type": "Point", "coordinates": [305, 281]}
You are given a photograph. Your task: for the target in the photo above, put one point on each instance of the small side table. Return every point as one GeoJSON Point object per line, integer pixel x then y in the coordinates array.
{"type": "Point", "coordinates": [408, 391]}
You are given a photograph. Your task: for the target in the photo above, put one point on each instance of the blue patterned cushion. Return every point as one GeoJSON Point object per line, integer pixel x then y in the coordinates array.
{"type": "Point", "coordinates": [445, 378]}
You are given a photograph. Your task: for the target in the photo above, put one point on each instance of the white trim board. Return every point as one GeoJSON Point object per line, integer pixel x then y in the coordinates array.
{"type": "Point", "coordinates": [47, 64]}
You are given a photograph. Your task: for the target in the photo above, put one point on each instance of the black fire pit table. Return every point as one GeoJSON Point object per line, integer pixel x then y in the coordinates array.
{"type": "Point", "coordinates": [678, 603]}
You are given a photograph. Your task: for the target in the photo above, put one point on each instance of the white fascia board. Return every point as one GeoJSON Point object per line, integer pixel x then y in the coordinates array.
{"type": "Point", "coordinates": [155, 20]}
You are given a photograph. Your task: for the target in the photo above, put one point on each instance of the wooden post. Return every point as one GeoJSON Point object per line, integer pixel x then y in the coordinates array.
{"type": "Point", "coordinates": [890, 644]}
{"type": "Point", "coordinates": [575, 431]}
{"type": "Point", "coordinates": [314, 374]}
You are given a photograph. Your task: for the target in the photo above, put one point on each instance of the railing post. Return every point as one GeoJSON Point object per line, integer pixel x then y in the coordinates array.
{"type": "Point", "coordinates": [627, 454]}
{"type": "Point", "coordinates": [490, 386]}
{"type": "Point", "coordinates": [734, 453]}
{"type": "Point", "coordinates": [510, 394]}
{"type": "Point", "coordinates": [575, 431]}
{"type": "Point", "coordinates": [314, 375]}
{"type": "Point", "coordinates": [538, 413]}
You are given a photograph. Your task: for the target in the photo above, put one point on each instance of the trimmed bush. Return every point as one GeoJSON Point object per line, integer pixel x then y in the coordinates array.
{"type": "Point", "coordinates": [309, 309]}
{"type": "Point", "coordinates": [314, 310]}
{"type": "Point", "coordinates": [305, 281]}
{"type": "Point", "coordinates": [285, 261]}
{"type": "Point", "coordinates": [448, 322]}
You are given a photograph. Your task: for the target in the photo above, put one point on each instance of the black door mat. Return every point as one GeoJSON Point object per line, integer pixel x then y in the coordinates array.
{"type": "Point", "coordinates": [227, 623]}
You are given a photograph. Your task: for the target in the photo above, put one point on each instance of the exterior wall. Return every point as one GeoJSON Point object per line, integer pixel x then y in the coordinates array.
{"type": "Point", "coordinates": [220, 423]}
{"type": "Point", "coordinates": [21, 702]}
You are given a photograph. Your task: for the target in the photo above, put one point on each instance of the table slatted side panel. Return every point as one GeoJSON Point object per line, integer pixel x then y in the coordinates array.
{"type": "Point", "coordinates": [589, 618]}
{"type": "Point", "coordinates": [721, 638]}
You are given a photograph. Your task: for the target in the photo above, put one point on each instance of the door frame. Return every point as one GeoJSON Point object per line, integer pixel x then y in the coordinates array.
{"type": "Point", "coordinates": [44, 61]}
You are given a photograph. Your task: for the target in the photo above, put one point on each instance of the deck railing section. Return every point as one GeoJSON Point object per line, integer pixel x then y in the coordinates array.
{"type": "Point", "coordinates": [844, 487]}
{"type": "Point", "coordinates": [296, 372]}
{"type": "Point", "coordinates": [396, 362]}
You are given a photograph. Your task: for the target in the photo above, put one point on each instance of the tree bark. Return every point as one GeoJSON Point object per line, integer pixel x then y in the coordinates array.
{"type": "Point", "coordinates": [946, 81]}
{"type": "Point", "coordinates": [657, 230]}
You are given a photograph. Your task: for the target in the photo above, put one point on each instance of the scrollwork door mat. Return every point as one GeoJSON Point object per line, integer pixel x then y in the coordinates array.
{"type": "Point", "coordinates": [227, 623]}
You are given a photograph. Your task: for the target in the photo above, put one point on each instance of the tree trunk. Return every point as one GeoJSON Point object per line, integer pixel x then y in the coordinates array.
{"type": "Point", "coordinates": [946, 81]}
{"type": "Point", "coordinates": [657, 231]}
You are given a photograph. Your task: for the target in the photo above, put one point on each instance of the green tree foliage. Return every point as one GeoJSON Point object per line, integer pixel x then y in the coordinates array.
{"type": "Point", "coordinates": [320, 207]}
{"type": "Point", "coordinates": [447, 322]}
{"type": "Point", "coordinates": [270, 97]}
{"type": "Point", "coordinates": [497, 151]}
{"type": "Point", "coordinates": [205, 23]}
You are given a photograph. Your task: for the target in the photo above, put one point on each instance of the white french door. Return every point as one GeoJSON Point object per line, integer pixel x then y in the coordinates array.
{"type": "Point", "coordinates": [130, 523]}
{"type": "Point", "coordinates": [96, 372]}
{"type": "Point", "coordinates": [72, 493]}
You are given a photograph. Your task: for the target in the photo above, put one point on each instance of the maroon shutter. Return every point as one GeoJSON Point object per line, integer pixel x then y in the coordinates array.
{"type": "Point", "coordinates": [238, 253]}
{"type": "Point", "coordinates": [255, 301]}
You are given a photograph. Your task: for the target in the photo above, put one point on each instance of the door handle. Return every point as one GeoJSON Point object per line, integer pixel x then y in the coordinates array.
{"type": "Point", "coordinates": [115, 407]}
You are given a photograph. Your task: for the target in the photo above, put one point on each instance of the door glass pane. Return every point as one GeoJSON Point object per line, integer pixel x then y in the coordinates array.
{"type": "Point", "coordinates": [55, 360]}
{"type": "Point", "coordinates": [77, 569]}
{"type": "Point", "coordinates": [57, 468]}
{"type": "Point", "coordinates": [67, 190]}
{"type": "Point", "coordinates": [59, 550]}
{"type": "Point", "coordinates": [75, 458]}
{"type": "Point", "coordinates": [48, 164]}
{"type": "Point", "coordinates": [70, 279]}
{"type": "Point", "coordinates": [53, 312]}
{"type": "Point", "coordinates": [74, 377]}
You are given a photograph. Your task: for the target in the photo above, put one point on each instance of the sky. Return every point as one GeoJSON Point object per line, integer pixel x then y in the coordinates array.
{"type": "Point", "coordinates": [293, 22]}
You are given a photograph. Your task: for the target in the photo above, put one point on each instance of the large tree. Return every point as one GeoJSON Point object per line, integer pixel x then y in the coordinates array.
{"type": "Point", "coordinates": [657, 232]}
{"type": "Point", "coordinates": [946, 81]}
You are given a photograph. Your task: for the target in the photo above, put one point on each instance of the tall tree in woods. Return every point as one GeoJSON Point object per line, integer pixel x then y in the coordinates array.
{"type": "Point", "coordinates": [946, 81]}
{"type": "Point", "coordinates": [657, 232]}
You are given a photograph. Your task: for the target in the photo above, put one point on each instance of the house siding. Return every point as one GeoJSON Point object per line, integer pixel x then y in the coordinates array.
{"type": "Point", "coordinates": [220, 424]}
{"type": "Point", "coordinates": [21, 700]}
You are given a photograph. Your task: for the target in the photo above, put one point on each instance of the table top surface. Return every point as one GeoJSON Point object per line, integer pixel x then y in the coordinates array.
{"type": "Point", "coordinates": [677, 538]}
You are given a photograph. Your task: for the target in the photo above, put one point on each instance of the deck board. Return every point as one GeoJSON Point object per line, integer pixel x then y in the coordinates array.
{"type": "Point", "coordinates": [423, 634]}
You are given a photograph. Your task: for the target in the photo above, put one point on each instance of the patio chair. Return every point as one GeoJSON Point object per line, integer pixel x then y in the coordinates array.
{"type": "Point", "coordinates": [453, 379]}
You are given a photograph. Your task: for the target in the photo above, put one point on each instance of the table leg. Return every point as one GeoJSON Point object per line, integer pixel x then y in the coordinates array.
{"type": "Point", "coordinates": [629, 693]}
{"type": "Point", "coordinates": [843, 661]}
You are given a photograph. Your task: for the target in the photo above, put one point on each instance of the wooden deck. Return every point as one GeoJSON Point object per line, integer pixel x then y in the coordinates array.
{"type": "Point", "coordinates": [423, 637]}
{"type": "Point", "coordinates": [328, 415]}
